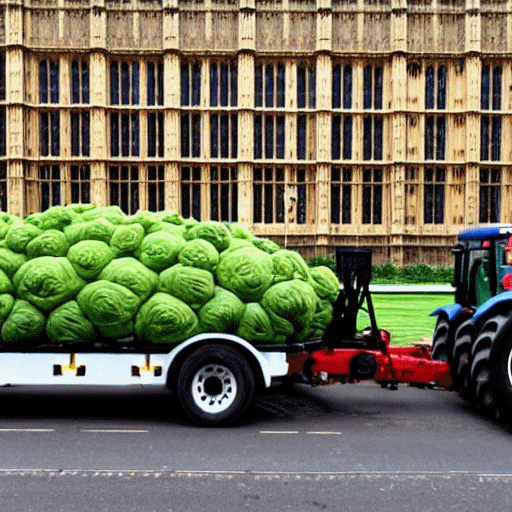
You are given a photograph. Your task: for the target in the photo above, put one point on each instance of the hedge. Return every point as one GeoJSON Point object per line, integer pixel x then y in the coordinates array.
{"type": "Point", "coordinates": [389, 273]}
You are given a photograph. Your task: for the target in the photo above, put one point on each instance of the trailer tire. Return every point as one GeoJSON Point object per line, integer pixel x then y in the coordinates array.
{"type": "Point", "coordinates": [461, 357]}
{"type": "Point", "coordinates": [215, 385]}
{"type": "Point", "coordinates": [489, 384]}
{"type": "Point", "coordinates": [441, 340]}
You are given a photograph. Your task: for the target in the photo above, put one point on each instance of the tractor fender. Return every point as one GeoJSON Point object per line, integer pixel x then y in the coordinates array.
{"type": "Point", "coordinates": [451, 311]}
{"type": "Point", "coordinates": [490, 305]}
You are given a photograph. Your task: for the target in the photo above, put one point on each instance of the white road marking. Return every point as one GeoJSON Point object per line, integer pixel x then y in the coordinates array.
{"type": "Point", "coordinates": [142, 431]}
{"type": "Point", "coordinates": [27, 430]}
{"type": "Point", "coordinates": [114, 431]}
{"type": "Point", "coordinates": [314, 433]}
{"type": "Point", "coordinates": [324, 433]}
{"type": "Point", "coordinates": [198, 473]}
{"type": "Point", "coordinates": [279, 431]}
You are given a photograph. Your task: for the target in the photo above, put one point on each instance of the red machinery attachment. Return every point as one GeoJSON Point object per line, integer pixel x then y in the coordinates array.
{"type": "Point", "coordinates": [348, 355]}
{"type": "Point", "coordinates": [397, 365]}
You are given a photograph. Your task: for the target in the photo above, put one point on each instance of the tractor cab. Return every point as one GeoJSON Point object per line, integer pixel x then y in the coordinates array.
{"type": "Point", "coordinates": [483, 264]}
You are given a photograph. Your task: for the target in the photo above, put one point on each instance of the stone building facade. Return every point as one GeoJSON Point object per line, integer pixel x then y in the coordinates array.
{"type": "Point", "coordinates": [318, 123]}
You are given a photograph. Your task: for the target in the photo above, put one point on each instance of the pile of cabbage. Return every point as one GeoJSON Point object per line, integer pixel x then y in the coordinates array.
{"type": "Point", "coordinates": [86, 274]}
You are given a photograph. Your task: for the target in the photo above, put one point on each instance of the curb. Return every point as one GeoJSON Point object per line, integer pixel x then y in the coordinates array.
{"type": "Point", "coordinates": [413, 288]}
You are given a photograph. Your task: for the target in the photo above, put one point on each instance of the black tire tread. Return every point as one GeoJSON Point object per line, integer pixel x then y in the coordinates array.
{"type": "Point", "coordinates": [483, 375]}
{"type": "Point", "coordinates": [441, 340]}
{"type": "Point", "coordinates": [461, 357]}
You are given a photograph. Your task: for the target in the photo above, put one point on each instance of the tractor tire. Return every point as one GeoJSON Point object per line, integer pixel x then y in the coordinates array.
{"type": "Point", "coordinates": [441, 341]}
{"type": "Point", "coordinates": [490, 380]}
{"type": "Point", "coordinates": [215, 385]}
{"type": "Point", "coordinates": [504, 379]}
{"type": "Point", "coordinates": [461, 357]}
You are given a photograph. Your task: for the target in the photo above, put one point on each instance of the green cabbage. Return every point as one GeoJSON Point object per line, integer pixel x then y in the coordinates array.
{"type": "Point", "coordinates": [56, 217]}
{"type": "Point", "coordinates": [112, 214]}
{"type": "Point", "coordinates": [68, 324]}
{"type": "Point", "coordinates": [47, 281]}
{"type": "Point", "coordinates": [255, 325]}
{"type": "Point", "coordinates": [265, 245]}
{"type": "Point", "coordinates": [12, 220]}
{"type": "Point", "coordinates": [11, 261]}
{"type": "Point", "coordinates": [24, 325]}
{"type": "Point", "coordinates": [246, 272]}
{"type": "Point", "coordinates": [19, 235]}
{"type": "Point", "coordinates": [165, 319]}
{"type": "Point", "coordinates": [4, 227]}
{"type": "Point", "coordinates": [173, 229]}
{"type": "Point", "coordinates": [5, 283]}
{"type": "Point", "coordinates": [159, 250]}
{"type": "Point", "coordinates": [6, 221]}
{"type": "Point", "coordinates": [194, 286]}
{"type": "Point", "coordinates": [89, 258]}
{"type": "Point", "coordinates": [321, 319]}
{"type": "Point", "coordinates": [126, 239]}
{"type": "Point", "coordinates": [98, 229]}
{"type": "Point", "coordinates": [199, 253]}
{"type": "Point", "coordinates": [79, 207]}
{"type": "Point", "coordinates": [49, 243]}
{"type": "Point", "coordinates": [97, 273]}
{"type": "Point", "coordinates": [222, 313]}
{"type": "Point", "coordinates": [172, 217]}
{"type": "Point", "coordinates": [289, 265]}
{"type": "Point", "coordinates": [33, 218]}
{"type": "Point", "coordinates": [213, 231]}
{"type": "Point", "coordinates": [109, 306]}
{"type": "Point", "coordinates": [6, 304]}
{"type": "Point", "coordinates": [146, 219]}
{"type": "Point", "coordinates": [325, 283]}
{"type": "Point", "coordinates": [237, 243]}
{"type": "Point", "coordinates": [240, 232]}
{"type": "Point", "coordinates": [131, 274]}
{"type": "Point", "coordinates": [291, 306]}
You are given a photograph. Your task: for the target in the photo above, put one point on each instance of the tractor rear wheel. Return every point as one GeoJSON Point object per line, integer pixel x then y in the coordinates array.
{"type": "Point", "coordinates": [441, 340]}
{"type": "Point", "coordinates": [461, 357]}
{"type": "Point", "coordinates": [504, 379]}
{"type": "Point", "coordinates": [491, 373]}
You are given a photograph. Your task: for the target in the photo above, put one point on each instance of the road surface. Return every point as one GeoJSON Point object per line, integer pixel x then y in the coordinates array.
{"type": "Point", "coordinates": [352, 447]}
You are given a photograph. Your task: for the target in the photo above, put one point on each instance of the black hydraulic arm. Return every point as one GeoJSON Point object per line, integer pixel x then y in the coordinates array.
{"type": "Point", "coordinates": [354, 269]}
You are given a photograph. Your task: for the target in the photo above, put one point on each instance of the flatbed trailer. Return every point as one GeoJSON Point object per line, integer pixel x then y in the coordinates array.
{"type": "Point", "coordinates": [216, 375]}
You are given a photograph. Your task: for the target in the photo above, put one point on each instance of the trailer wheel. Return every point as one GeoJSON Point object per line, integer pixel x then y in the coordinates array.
{"type": "Point", "coordinates": [461, 357]}
{"type": "Point", "coordinates": [215, 385]}
{"type": "Point", "coordinates": [441, 340]}
{"type": "Point", "coordinates": [489, 378]}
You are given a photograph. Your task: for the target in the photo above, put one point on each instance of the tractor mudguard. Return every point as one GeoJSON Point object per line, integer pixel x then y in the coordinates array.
{"type": "Point", "coordinates": [493, 302]}
{"type": "Point", "coordinates": [451, 311]}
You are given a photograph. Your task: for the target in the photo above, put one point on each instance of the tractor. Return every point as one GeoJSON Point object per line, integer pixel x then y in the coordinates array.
{"type": "Point", "coordinates": [474, 335]}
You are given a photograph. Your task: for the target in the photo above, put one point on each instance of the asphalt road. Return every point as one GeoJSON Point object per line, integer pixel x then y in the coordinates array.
{"type": "Point", "coordinates": [353, 447]}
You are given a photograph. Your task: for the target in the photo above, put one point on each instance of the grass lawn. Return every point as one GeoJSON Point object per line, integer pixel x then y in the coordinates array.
{"type": "Point", "coordinates": [405, 316]}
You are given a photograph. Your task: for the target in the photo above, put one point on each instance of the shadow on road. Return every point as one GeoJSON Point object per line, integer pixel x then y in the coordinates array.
{"type": "Point", "coordinates": [350, 404]}
{"type": "Point", "coordinates": [158, 407]}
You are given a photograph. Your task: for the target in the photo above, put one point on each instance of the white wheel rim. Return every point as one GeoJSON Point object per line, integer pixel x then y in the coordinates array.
{"type": "Point", "coordinates": [509, 367]}
{"type": "Point", "coordinates": [214, 388]}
